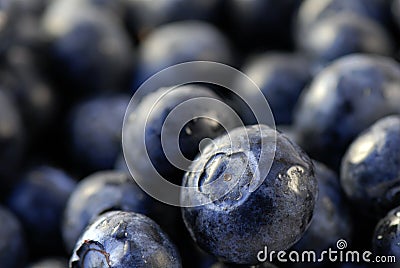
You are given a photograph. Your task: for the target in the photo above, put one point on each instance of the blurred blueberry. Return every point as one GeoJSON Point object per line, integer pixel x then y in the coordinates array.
{"type": "Point", "coordinates": [124, 239]}
{"type": "Point", "coordinates": [120, 164]}
{"type": "Point", "coordinates": [101, 192]}
{"type": "Point", "coordinates": [180, 42]}
{"type": "Point", "coordinates": [35, 97]}
{"type": "Point", "coordinates": [237, 220]}
{"type": "Point", "coordinates": [50, 263]}
{"type": "Point", "coordinates": [95, 130]}
{"type": "Point", "coordinates": [39, 201]}
{"type": "Point", "coordinates": [164, 118]}
{"type": "Point", "coordinates": [13, 248]}
{"type": "Point", "coordinates": [143, 15]}
{"type": "Point", "coordinates": [281, 77]}
{"type": "Point", "coordinates": [344, 99]}
{"type": "Point", "coordinates": [12, 140]}
{"type": "Point", "coordinates": [93, 50]}
{"type": "Point", "coordinates": [370, 171]}
{"type": "Point", "coordinates": [311, 12]}
{"type": "Point", "coordinates": [332, 219]}
{"type": "Point", "coordinates": [260, 24]}
{"type": "Point", "coordinates": [344, 34]}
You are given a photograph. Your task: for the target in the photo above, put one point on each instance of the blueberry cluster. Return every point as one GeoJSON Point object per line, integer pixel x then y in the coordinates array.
{"type": "Point", "coordinates": [78, 154]}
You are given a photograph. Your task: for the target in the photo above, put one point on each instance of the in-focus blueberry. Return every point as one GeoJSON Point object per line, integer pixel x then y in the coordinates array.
{"type": "Point", "coordinates": [370, 171]}
{"type": "Point", "coordinates": [96, 126]}
{"type": "Point", "coordinates": [124, 239]}
{"type": "Point", "coordinates": [101, 192]}
{"type": "Point", "coordinates": [161, 127]}
{"type": "Point", "coordinates": [13, 248]}
{"type": "Point", "coordinates": [386, 240]}
{"type": "Point", "coordinates": [344, 99]}
{"type": "Point", "coordinates": [39, 201]}
{"type": "Point", "coordinates": [331, 220]}
{"type": "Point", "coordinates": [237, 219]}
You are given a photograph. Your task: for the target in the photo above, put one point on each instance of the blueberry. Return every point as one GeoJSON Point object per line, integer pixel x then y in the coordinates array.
{"type": "Point", "coordinates": [39, 201]}
{"type": "Point", "coordinates": [155, 121]}
{"type": "Point", "coordinates": [96, 126]}
{"type": "Point", "coordinates": [311, 12]}
{"type": "Point", "coordinates": [386, 238]}
{"type": "Point", "coordinates": [13, 248]}
{"type": "Point", "coordinates": [281, 77]}
{"type": "Point", "coordinates": [343, 34]}
{"type": "Point", "coordinates": [94, 51]}
{"type": "Point", "coordinates": [236, 226]}
{"type": "Point", "coordinates": [50, 263]}
{"type": "Point", "coordinates": [289, 131]}
{"type": "Point", "coordinates": [370, 170]}
{"type": "Point", "coordinates": [144, 16]}
{"type": "Point", "coordinates": [20, 25]}
{"type": "Point", "coordinates": [124, 239]}
{"type": "Point", "coordinates": [342, 100]}
{"type": "Point", "coordinates": [101, 192]}
{"type": "Point", "coordinates": [12, 139]}
{"type": "Point", "coordinates": [35, 97]}
{"type": "Point", "coordinates": [331, 220]}
{"type": "Point", "coordinates": [180, 42]}
{"type": "Point", "coordinates": [260, 24]}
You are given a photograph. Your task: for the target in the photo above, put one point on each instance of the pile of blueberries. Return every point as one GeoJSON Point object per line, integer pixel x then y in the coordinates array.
{"type": "Point", "coordinates": [68, 69]}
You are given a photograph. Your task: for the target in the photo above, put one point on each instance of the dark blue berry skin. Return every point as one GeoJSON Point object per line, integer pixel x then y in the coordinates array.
{"type": "Point", "coordinates": [101, 192]}
{"type": "Point", "coordinates": [289, 131]}
{"type": "Point", "coordinates": [260, 24]}
{"type": "Point", "coordinates": [13, 248]}
{"type": "Point", "coordinates": [386, 239]}
{"type": "Point", "coordinates": [343, 34]}
{"type": "Point", "coordinates": [189, 138]}
{"type": "Point", "coordinates": [344, 99]}
{"type": "Point", "coordinates": [50, 263]}
{"type": "Point", "coordinates": [124, 239]}
{"type": "Point", "coordinates": [312, 12]}
{"type": "Point", "coordinates": [12, 139]}
{"type": "Point", "coordinates": [281, 77]}
{"type": "Point", "coordinates": [95, 127]}
{"type": "Point", "coordinates": [331, 220]}
{"type": "Point", "coordinates": [370, 170]}
{"type": "Point", "coordinates": [94, 51]}
{"type": "Point", "coordinates": [143, 16]}
{"type": "Point", "coordinates": [39, 201]}
{"type": "Point", "coordinates": [180, 42]}
{"type": "Point", "coordinates": [237, 226]}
